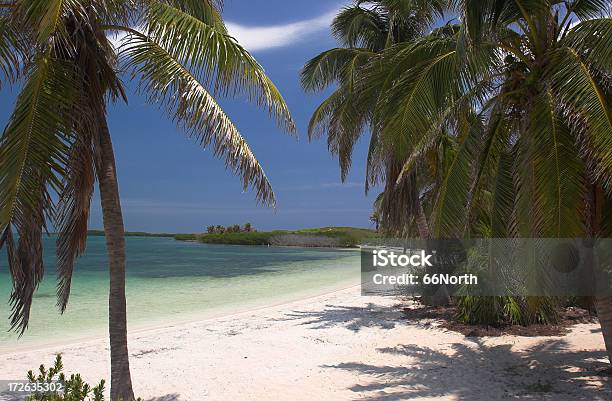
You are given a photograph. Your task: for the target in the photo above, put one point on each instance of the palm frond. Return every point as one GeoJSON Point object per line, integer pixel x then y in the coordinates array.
{"type": "Point", "coordinates": [47, 17]}
{"type": "Point", "coordinates": [344, 115]}
{"type": "Point", "coordinates": [72, 214]}
{"type": "Point", "coordinates": [320, 120]}
{"type": "Point", "coordinates": [558, 173]}
{"type": "Point", "coordinates": [33, 153]}
{"type": "Point", "coordinates": [503, 197]}
{"type": "Point", "coordinates": [332, 66]}
{"type": "Point", "coordinates": [215, 59]}
{"type": "Point", "coordinates": [11, 50]}
{"type": "Point", "coordinates": [577, 92]}
{"type": "Point", "coordinates": [338, 116]}
{"type": "Point", "coordinates": [375, 161]}
{"type": "Point", "coordinates": [206, 11]}
{"type": "Point", "coordinates": [591, 39]}
{"type": "Point", "coordinates": [194, 109]}
{"type": "Point", "coordinates": [589, 9]}
{"type": "Point", "coordinates": [483, 17]}
{"type": "Point", "coordinates": [495, 144]}
{"type": "Point", "coordinates": [451, 206]}
{"type": "Point", "coordinates": [418, 95]}
{"type": "Point", "coordinates": [357, 26]}
{"type": "Point", "coordinates": [529, 210]}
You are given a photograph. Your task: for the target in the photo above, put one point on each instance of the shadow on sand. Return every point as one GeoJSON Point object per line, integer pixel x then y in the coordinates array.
{"type": "Point", "coordinates": [466, 370]}
{"type": "Point", "coordinates": [350, 317]}
{"type": "Point", "coordinates": [546, 371]}
{"type": "Point", "coordinates": [167, 397]}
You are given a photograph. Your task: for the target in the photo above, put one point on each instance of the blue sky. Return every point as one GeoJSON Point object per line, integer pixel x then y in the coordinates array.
{"type": "Point", "coordinates": [170, 184]}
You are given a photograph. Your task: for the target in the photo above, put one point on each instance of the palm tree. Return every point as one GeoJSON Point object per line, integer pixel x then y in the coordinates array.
{"type": "Point", "coordinates": [365, 29]}
{"type": "Point", "coordinates": [536, 156]}
{"type": "Point", "coordinates": [58, 142]}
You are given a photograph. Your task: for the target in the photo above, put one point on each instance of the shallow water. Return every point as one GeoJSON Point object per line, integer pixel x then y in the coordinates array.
{"type": "Point", "coordinates": [170, 281]}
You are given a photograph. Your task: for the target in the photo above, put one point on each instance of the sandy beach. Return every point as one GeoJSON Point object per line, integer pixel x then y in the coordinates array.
{"type": "Point", "coordinates": [339, 346]}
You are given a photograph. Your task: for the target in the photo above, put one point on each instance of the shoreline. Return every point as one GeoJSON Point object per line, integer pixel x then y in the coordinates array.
{"type": "Point", "coordinates": [203, 318]}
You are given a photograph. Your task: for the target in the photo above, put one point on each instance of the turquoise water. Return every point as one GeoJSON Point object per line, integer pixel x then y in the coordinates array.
{"type": "Point", "coordinates": [170, 281]}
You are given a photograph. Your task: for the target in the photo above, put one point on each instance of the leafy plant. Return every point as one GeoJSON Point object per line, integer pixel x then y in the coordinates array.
{"type": "Point", "coordinates": [73, 388]}
{"type": "Point", "coordinates": [366, 30]}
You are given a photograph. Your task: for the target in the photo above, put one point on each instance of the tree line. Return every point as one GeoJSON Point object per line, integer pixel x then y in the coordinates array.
{"type": "Point", "coordinates": [485, 119]}
{"type": "Point", "coordinates": [246, 228]}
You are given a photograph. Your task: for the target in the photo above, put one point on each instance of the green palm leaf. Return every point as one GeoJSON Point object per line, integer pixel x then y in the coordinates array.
{"type": "Point", "coordinates": [204, 10]}
{"type": "Point", "coordinates": [578, 93]}
{"type": "Point", "coordinates": [215, 58]}
{"type": "Point", "coordinates": [357, 26]}
{"type": "Point", "coordinates": [72, 213]}
{"type": "Point", "coordinates": [558, 171]}
{"type": "Point", "coordinates": [503, 197]}
{"type": "Point", "coordinates": [592, 39]}
{"type": "Point", "coordinates": [47, 17]}
{"type": "Point", "coordinates": [33, 153]}
{"type": "Point", "coordinates": [195, 110]}
{"type": "Point", "coordinates": [586, 9]}
{"type": "Point", "coordinates": [334, 65]}
{"type": "Point", "coordinates": [451, 207]}
{"type": "Point", "coordinates": [11, 50]}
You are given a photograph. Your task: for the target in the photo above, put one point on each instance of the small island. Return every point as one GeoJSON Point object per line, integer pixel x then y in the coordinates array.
{"type": "Point", "coordinates": [328, 237]}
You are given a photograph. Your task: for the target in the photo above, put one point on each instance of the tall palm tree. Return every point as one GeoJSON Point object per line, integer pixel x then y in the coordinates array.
{"type": "Point", "coordinates": [365, 29]}
{"type": "Point", "coordinates": [57, 143]}
{"type": "Point", "coordinates": [537, 154]}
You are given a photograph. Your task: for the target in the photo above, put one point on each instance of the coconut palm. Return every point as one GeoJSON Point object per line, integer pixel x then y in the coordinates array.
{"type": "Point", "coordinates": [536, 157]}
{"type": "Point", "coordinates": [57, 142]}
{"type": "Point", "coordinates": [365, 29]}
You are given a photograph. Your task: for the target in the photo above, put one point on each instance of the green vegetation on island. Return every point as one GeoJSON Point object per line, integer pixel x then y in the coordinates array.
{"type": "Point", "coordinates": [343, 237]}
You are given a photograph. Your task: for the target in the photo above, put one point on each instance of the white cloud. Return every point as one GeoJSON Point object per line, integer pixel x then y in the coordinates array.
{"type": "Point", "coordinates": [116, 37]}
{"type": "Point", "coordinates": [255, 38]}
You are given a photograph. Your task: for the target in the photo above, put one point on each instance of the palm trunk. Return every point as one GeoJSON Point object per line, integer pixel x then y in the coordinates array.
{"type": "Point", "coordinates": [121, 382]}
{"type": "Point", "coordinates": [421, 222]}
{"type": "Point", "coordinates": [441, 296]}
{"type": "Point", "coordinates": [603, 306]}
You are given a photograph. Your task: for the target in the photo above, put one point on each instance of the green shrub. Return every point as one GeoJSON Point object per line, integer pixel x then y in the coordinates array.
{"type": "Point", "coordinates": [497, 311]}
{"type": "Point", "coordinates": [237, 238]}
{"type": "Point", "coordinates": [501, 310]}
{"type": "Point", "coordinates": [72, 389]}
{"type": "Point", "coordinates": [186, 237]}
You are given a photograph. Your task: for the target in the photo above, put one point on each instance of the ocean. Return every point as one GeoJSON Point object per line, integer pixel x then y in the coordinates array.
{"type": "Point", "coordinates": [170, 281]}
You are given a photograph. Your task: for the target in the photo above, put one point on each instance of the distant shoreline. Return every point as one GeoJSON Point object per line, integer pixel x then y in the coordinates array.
{"type": "Point", "coordinates": [100, 233]}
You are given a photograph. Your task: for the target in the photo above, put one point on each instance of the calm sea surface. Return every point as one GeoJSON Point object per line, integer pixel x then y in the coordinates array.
{"type": "Point", "coordinates": [171, 281]}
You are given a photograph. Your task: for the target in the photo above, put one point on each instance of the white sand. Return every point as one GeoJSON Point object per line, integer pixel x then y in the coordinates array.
{"type": "Point", "coordinates": [339, 346]}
